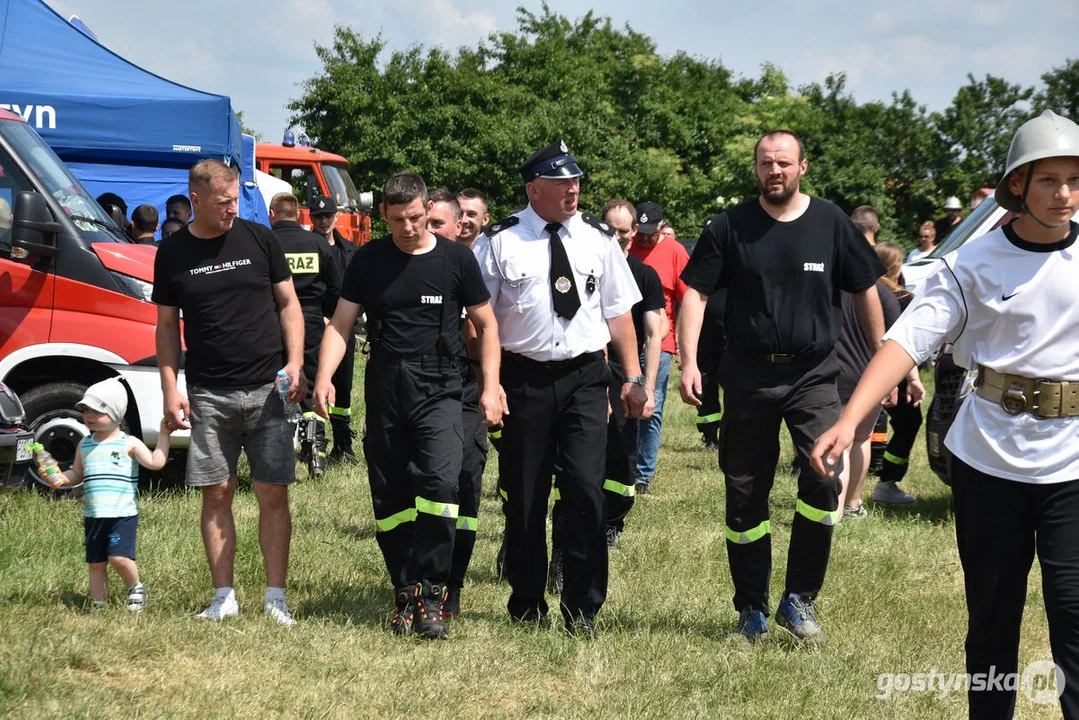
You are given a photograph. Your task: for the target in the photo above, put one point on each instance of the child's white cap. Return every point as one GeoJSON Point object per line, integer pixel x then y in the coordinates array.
{"type": "Point", "coordinates": [108, 396]}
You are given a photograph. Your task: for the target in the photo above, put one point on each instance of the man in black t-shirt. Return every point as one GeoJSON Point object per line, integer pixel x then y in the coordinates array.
{"type": "Point", "coordinates": [784, 258]}
{"type": "Point", "coordinates": [144, 224]}
{"type": "Point", "coordinates": [324, 223]}
{"type": "Point", "coordinates": [241, 323]}
{"type": "Point", "coordinates": [650, 324]}
{"type": "Point", "coordinates": [317, 281]}
{"type": "Point", "coordinates": [444, 219]}
{"type": "Point", "coordinates": [413, 287]}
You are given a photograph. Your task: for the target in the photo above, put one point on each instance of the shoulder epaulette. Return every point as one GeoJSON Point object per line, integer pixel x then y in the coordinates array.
{"type": "Point", "coordinates": [598, 224]}
{"type": "Point", "coordinates": [492, 230]}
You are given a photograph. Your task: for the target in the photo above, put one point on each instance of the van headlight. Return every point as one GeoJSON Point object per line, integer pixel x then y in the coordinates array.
{"type": "Point", "coordinates": [133, 286]}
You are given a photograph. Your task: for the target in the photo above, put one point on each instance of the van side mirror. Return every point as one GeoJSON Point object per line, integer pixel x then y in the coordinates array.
{"type": "Point", "coordinates": [33, 229]}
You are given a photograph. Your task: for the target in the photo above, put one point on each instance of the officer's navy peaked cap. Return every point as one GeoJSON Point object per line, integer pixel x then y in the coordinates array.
{"type": "Point", "coordinates": [553, 161]}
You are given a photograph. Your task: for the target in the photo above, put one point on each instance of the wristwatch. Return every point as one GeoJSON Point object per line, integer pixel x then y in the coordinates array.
{"type": "Point", "coordinates": [636, 380]}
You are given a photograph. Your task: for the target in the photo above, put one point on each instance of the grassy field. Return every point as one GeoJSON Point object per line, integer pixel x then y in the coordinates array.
{"type": "Point", "coordinates": [893, 603]}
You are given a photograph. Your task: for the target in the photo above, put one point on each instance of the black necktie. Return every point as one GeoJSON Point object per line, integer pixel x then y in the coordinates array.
{"type": "Point", "coordinates": [564, 294]}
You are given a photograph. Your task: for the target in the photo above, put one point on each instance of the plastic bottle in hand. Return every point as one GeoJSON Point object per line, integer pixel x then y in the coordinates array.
{"type": "Point", "coordinates": [292, 410]}
{"type": "Point", "coordinates": [47, 467]}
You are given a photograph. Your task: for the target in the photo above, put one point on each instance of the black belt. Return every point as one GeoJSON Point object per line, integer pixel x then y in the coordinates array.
{"type": "Point", "coordinates": [778, 358]}
{"type": "Point", "coordinates": [378, 352]}
{"type": "Point", "coordinates": [509, 358]}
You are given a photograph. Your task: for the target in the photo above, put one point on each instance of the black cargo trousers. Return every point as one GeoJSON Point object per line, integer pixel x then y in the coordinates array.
{"type": "Point", "coordinates": [470, 481]}
{"type": "Point", "coordinates": [413, 450]}
{"type": "Point", "coordinates": [558, 417]}
{"type": "Point", "coordinates": [759, 396]}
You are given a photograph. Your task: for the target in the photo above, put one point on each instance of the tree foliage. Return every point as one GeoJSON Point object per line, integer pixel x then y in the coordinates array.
{"type": "Point", "coordinates": [678, 130]}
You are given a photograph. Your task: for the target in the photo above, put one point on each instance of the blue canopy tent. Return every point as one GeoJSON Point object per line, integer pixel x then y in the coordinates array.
{"type": "Point", "coordinates": [252, 206]}
{"type": "Point", "coordinates": [118, 127]}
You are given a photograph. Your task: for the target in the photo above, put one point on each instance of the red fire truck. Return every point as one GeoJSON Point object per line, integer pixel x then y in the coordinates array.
{"type": "Point", "coordinates": [313, 173]}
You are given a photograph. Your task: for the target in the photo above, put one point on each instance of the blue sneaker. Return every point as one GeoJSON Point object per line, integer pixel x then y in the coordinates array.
{"type": "Point", "coordinates": [751, 626]}
{"type": "Point", "coordinates": [800, 618]}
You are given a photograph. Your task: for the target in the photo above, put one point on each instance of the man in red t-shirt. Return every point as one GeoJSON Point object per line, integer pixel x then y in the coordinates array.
{"type": "Point", "coordinates": [667, 257]}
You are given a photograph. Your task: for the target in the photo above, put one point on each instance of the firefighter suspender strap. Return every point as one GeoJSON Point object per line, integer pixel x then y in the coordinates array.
{"type": "Point", "coordinates": [445, 345]}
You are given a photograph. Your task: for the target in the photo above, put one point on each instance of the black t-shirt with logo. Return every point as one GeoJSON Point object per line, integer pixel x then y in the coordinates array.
{"type": "Point", "coordinates": [651, 295]}
{"type": "Point", "coordinates": [224, 287]}
{"type": "Point", "coordinates": [404, 293]}
{"type": "Point", "coordinates": [783, 278]}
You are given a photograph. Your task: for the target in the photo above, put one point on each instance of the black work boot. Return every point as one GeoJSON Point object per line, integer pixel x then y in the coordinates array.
{"type": "Point", "coordinates": [612, 537]}
{"type": "Point", "coordinates": [427, 618]}
{"type": "Point", "coordinates": [402, 618]}
{"type": "Point", "coordinates": [451, 606]}
{"type": "Point", "coordinates": [554, 572]}
{"type": "Point", "coordinates": [317, 466]}
{"type": "Point", "coordinates": [710, 437]}
{"type": "Point", "coordinates": [500, 559]}
{"type": "Point", "coordinates": [306, 441]}
{"type": "Point", "coordinates": [343, 435]}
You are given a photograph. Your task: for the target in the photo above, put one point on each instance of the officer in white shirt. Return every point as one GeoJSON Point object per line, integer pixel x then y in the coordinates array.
{"type": "Point", "coordinates": [1009, 304]}
{"type": "Point", "coordinates": [561, 290]}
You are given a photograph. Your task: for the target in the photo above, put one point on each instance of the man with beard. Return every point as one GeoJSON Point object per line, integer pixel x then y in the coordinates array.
{"type": "Point", "coordinates": [783, 258]}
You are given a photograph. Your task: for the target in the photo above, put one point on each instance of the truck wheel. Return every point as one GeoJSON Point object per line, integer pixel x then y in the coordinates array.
{"type": "Point", "coordinates": [56, 424]}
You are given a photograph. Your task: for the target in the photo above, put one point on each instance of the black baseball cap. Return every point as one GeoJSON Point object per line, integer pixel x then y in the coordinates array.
{"type": "Point", "coordinates": [323, 206]}
{"type": "Point", "coordinates": [553, 161]}
{"type": "Point", "coordinates": [649, 216]}
{"type": "Point", "coordinates": [111, 198]}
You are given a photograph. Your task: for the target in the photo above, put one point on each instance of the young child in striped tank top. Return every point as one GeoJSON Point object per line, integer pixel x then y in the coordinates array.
{"type": "Point", "coordinates": [108, 463]}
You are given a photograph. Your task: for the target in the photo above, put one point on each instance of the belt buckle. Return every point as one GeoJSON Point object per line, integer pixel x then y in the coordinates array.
{"type": "Point", "coordinates": [1035, 405]}
{"type": "Point", "coordinates": [1013, 400]}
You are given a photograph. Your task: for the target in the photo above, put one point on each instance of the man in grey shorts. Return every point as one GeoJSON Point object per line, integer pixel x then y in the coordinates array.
{"type": "Point", "coordinates": [241, 318]}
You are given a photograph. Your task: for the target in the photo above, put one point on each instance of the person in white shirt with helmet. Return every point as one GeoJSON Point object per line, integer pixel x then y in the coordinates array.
{"type": "Point", "coordinates": [1009, 303]}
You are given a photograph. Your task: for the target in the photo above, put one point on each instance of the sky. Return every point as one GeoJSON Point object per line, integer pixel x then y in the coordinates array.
{"type": "Point", "coordinates": [927, 46]}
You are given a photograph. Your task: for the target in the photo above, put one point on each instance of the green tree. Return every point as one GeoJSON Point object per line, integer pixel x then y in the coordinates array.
{"type": "Point", "coordinates": [1061, 91]}
{"type": "Point", "coordinates": [977, 129]}
{"type": "Point", "coordinates": [678, 130]}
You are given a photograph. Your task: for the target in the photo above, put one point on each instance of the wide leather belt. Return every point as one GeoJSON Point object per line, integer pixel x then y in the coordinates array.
{"type": "Point", "coordinates": [1017, 394]}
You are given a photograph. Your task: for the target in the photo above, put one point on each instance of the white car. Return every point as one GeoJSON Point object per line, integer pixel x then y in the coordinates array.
{"type": "Point", "coordinates": [987, 216]}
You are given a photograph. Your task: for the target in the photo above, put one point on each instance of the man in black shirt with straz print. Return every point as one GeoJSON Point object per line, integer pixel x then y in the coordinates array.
{"type": "Point", "coordinates": [784, 258]}
{"type": "Point", "coordinates": [413, 287]}
{"type": "Point", "coordinates": [241, 318]}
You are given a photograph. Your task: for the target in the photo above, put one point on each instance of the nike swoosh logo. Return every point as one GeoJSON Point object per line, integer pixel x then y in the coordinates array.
{"type": "Point", "coordinates": [1009, 297]}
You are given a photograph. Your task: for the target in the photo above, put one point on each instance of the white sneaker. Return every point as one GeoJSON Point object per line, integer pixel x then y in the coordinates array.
{"type": "Point", "coordinates": [136, 598]}
{"type": "Point", "coordinates": [278, 610]}
{"type": "Point", "coordinates": [888, 493]}
{"type": "Point", "coordinates": [221, 608]}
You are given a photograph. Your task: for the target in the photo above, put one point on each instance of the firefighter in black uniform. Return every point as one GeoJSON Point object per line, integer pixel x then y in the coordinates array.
{"type": "Point", "coordinates": [783, 257]}
{"type": "Point", "coordinates": [561, 290]}
{"type": "Point", "coordinates": [413, 286]}
{"type": "Point", "coordinates": [317, 282]}
{"type": "Point", "coordinates": [323, 222]}
{"type": "Point", "coordinates": [444, 219]}
{"type": "Point", "coordinates": [649, 325]}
